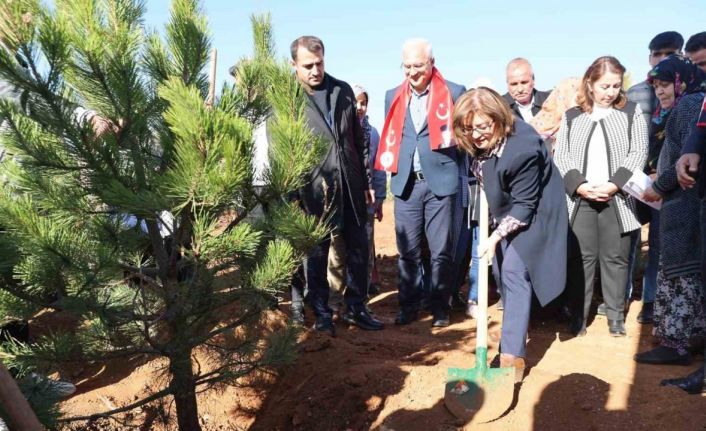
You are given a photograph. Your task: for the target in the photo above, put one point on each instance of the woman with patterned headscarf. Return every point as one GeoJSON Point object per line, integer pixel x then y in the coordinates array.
{"type": "Point", "coordinates": [679, 87]}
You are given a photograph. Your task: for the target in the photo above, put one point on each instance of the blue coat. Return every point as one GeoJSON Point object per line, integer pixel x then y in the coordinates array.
{"type": "Point", "coordinates": [440, 168]}
{"type": "Point", "coordinates": [524, 183]}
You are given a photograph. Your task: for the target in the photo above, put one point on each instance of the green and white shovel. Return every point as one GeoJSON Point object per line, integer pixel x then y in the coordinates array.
{"type": "Point", "coordinates": [480, 393]}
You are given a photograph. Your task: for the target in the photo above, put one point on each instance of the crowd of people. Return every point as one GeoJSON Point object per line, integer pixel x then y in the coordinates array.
{"type": "Point", "coordinates": [559, 170]}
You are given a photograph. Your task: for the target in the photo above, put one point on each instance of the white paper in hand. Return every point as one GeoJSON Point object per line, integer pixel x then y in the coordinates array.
{"type": "Point", "coordinates": [637, 184]}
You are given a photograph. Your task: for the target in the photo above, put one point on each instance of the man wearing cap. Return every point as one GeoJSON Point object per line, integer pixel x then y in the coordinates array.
{"type": "Point", "coordinates": [525, 101]}
{"type": "Point", "coordinates": [417, 148]}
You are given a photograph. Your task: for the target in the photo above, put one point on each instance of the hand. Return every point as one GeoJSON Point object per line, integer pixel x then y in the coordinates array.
{"type": "Point", "coordinates": [370, 197]}
{"type": "Point", "coordinates": [592, 193]}
{"type": "Point", "coordinates": [378, 211]}
{"type": "Point", "coordinates": [650, 195]}
{"type": "Point", "coordinates": [607, 188]}
{"type": "Point", "coordinates": [487, 248]}
{"type": "Point", "coordinates": [687, 167]}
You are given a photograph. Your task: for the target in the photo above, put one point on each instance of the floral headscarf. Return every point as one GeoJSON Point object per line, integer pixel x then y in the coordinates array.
{"type": "Point", "coordinates": [687, 79]}
{"type": "Point", "coordinates": [685, 75]}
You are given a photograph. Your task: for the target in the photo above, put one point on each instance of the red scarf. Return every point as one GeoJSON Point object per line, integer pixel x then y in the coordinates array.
{"type": "Point", "coordinates": [439, 108]}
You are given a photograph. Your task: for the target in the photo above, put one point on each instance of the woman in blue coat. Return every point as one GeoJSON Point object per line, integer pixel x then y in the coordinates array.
{"type": "Point", "coordinates": [528, 211]}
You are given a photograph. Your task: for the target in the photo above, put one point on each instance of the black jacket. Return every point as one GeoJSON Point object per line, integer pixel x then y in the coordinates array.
{"type": "Point", "coordinates": [345, 160]}
{"type": "Point", "coordinates": [537, 102]}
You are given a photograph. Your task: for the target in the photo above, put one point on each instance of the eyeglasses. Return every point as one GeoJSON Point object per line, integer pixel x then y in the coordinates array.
{"type": "Point", "coordinates": [483, 128]}
{"type": "Point", "coordinates": [417, 66]}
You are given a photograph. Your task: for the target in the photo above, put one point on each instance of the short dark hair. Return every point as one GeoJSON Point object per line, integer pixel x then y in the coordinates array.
{"type": "Point", "coordinates": [667, 40]}
{"type": "Point", "coordinates": [311, 43]}
{"type": "Point", "coordinates": [696, 42]}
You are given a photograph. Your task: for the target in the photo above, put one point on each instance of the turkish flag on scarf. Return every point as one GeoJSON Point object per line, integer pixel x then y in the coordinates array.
{"type": "Point", "coordinates": [439, 108]}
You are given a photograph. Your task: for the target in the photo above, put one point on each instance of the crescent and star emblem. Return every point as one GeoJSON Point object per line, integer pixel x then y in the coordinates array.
{"type": "Point", "coordinates": [390, 139]}
{"type": "Point", "coordinates": [386, 159]}
{"type": "Point", "coordinates": [442, 116]}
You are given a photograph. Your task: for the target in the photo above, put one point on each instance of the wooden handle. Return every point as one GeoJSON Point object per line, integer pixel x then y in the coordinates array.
{"type": "Point", "coordinates": [482, 318]}
{"type": "Point", "coordinates": [15, 404]}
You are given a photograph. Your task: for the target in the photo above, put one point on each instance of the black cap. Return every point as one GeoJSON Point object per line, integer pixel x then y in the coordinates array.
{"type": "Point", "coordinates": [667, 40]}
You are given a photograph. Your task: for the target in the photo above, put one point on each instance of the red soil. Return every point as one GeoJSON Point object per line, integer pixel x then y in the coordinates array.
{"type": "Point", "coordinates": [394, 379]}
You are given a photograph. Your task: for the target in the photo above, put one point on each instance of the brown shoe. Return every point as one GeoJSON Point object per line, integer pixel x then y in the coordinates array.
{"type": "Point", "coordinates": [516, 362]}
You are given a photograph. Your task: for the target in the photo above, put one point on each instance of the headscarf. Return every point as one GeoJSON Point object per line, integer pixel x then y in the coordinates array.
{"type": "Point", "coordinates": [687, 78]}
{"type": "Point", "coordinates": [365, 125]}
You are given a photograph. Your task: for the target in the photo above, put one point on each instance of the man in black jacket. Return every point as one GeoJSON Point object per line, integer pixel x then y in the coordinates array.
{"type": "Point", "coordinates": [525, 101]}
{"type": "Point", "coordinates": [339, 187]}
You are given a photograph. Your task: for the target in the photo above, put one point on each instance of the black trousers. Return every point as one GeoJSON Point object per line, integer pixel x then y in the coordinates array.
{"type": "Point", "coordinates": [595, 238]}
{"type": "Point", "coordinates": [315, 267]}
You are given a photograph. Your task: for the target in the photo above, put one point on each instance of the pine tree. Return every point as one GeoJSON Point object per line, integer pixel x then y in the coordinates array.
{"type": "Point", "coordinates": [146, 232]}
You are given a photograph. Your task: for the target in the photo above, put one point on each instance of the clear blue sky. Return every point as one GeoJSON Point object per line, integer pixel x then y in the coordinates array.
{"type": "Point", "coordinates": [471, 39]}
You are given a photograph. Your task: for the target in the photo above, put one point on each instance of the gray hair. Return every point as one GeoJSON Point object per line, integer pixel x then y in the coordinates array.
{"type": "Point", "coordinates": [418, 41]}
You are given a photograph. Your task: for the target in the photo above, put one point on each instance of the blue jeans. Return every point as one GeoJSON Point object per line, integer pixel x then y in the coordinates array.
{"type": "Point", "coordinates": [634, 246]}
{"type": "Point", "coordinates": [468, 238]}
{"type": "Point", "coordinates": [473, 270]}
{"type": "Point", "coordinates": [649, 280]}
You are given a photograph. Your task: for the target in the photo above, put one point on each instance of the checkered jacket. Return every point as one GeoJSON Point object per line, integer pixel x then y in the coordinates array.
{"type": "Point", "coordinates": [627, 153]}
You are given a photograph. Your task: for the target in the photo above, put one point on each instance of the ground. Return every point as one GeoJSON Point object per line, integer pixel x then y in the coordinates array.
{"type": "Point", "coordinates": [394, 379]}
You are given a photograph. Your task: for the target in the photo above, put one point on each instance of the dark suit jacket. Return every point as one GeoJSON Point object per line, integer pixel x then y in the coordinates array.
{"type": "Point", "coordinates": [524, 183]}
{"type": "Point", "coordinates": [539, 98]}
{"type": "Point", "coordinates": [346, 159]}
{"type": "Point", "coordinates": [440, 168]}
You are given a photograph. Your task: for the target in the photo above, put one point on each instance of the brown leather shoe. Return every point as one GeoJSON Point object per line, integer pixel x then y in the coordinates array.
{"type": "Point", "coordinates": [517, 363]}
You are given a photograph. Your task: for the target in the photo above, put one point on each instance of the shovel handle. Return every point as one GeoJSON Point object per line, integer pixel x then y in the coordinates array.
{"type": "Point", "coordinates": [482, 320]}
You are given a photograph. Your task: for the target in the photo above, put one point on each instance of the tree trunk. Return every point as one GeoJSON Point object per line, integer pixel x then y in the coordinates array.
{"type": "Point", "coordinates": [184, 392]}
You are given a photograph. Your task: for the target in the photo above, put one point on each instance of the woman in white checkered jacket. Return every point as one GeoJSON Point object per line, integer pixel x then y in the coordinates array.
{"type": "Point", "coordinates": [600, 144]}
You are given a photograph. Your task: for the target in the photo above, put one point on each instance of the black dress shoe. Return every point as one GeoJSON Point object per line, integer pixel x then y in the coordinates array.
{"type": "Point", "coordinates": [441, 320]}
{"type": "Point", "coordinates": [373, 289]}
{"type": "Point", "coordinates": [693, 383]}
{"type": "Point", "coordinates": [662, 355]}
{"type": "Point", "coordinates": [361, 318]}
{"type": "Point", "coordinates": [616, 328]}
{"type": "Point", "coordinates": [325, 324]}
{"type": "Point", "coordinates": [406, 317]}
{"type": "Point", "coordinates": [646, 314]}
